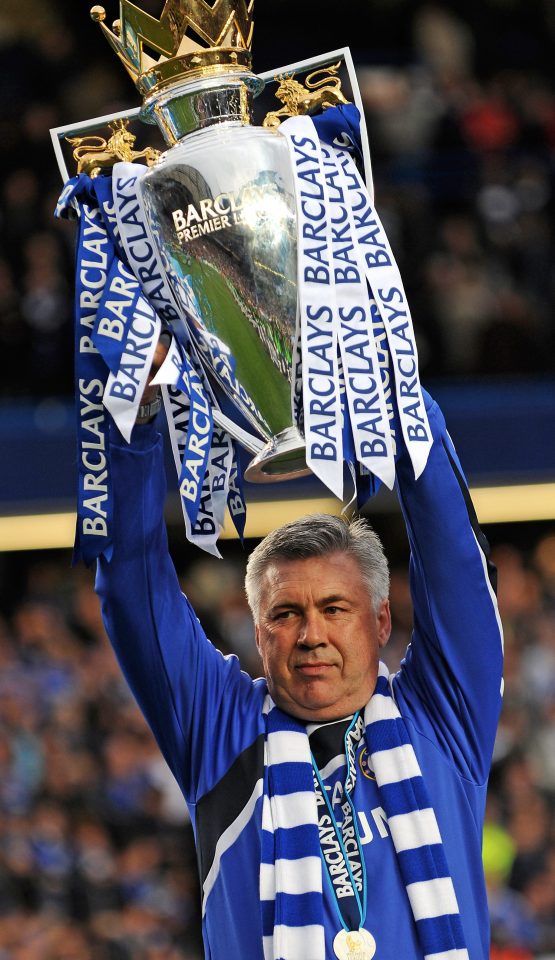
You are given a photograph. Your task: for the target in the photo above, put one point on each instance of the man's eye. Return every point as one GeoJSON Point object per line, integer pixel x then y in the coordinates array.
{"type": "Point", "coordinates": [334, 609]}
{"type": "Point", "coordinates": [283, 614]}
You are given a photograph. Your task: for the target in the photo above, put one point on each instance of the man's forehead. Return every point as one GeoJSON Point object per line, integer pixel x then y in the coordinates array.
{"type": "Point", "coordinates": [337, 570]}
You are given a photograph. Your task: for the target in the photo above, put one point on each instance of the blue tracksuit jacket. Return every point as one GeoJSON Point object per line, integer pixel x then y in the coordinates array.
{"type": "Point", "coordinates": [206, 713]}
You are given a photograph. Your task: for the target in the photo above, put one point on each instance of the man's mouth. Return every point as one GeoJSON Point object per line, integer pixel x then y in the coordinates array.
{"type": "Point", "coordinates": [313, 668]}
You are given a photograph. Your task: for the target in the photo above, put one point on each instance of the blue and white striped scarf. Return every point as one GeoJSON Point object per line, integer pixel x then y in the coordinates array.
{"type": "Point", "coordinates": [291, 869]}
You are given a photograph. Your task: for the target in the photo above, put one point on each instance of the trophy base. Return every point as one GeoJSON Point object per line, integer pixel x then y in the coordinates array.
{"type": "Point", "coordinates": [283, 458]}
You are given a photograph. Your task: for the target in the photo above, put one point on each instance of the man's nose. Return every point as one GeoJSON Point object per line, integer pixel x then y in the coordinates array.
{"type": "Point", "coordinates": [311, 633]}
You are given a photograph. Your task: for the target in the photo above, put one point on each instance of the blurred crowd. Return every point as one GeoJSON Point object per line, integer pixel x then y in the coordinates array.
{"type": "Point", "coordinates": [465, 173]}
{"type": "Point", "coordinates": [519, 833]}
{"type": "Point", "coordinates": [96, 858]}
{"type": "Point", "coordinates": [463, 146]}
{"type": "Point", "coordinates": [96, 852]}
{"type": "Point", "coordinates": [519, 837]}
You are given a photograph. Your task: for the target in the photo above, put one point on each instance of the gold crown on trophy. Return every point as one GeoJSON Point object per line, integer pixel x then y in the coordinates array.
{"type": "Point", "coordinates": [192, 38]}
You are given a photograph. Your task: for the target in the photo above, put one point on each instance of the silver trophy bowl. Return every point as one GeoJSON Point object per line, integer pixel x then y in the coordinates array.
{"type": "Point", "coordinates": [220, 205]}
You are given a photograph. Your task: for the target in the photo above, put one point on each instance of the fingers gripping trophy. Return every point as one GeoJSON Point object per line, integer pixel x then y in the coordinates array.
{"type": "Point", "coordinates": [258, 249]}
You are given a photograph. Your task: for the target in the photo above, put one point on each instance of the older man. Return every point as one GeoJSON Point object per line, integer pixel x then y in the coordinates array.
{"type": "Point", "coordinates": [337, 812]}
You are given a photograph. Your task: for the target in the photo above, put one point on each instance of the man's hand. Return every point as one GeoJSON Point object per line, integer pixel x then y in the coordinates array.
{"type": "Point", "coordinates": [160, 355]}
{"type": "Point", "coordinates": [152, 392]}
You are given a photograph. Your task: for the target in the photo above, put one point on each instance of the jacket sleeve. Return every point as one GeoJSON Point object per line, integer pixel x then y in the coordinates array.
{"type": "Point", "coordinates": [450, 682]}
{"type": "Point", "coordinates": [200, 706]}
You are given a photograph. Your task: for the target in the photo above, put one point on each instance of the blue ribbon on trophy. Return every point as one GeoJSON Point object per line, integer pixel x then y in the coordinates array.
{"type": "Point", "coordinates": [95, 255]}
{"type": "Point", "coordinates": [103, 190]}
{"type": "Point", "coordinates": [114, 358]}
{"type": "Point", "coordinates": [340, 127]}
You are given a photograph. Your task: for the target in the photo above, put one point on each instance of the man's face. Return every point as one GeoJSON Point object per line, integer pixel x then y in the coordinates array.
{"type": "Point", "coordinates": [319, 636]}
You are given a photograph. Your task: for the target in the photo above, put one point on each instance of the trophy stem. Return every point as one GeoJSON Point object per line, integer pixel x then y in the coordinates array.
{"type": "Point", "coordinates": [283, 458]}
{"type": "Point", "coordinates": [193, 104]}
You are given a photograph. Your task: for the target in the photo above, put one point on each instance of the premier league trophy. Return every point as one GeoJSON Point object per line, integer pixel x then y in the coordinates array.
{"type": "Point", "coordinates": [258, 248]}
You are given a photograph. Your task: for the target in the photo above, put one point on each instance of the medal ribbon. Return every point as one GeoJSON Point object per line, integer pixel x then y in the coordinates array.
{"type": "Point", "coordinates": [340, 846]}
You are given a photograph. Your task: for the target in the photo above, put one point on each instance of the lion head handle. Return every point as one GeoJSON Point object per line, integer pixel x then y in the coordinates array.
{"type": "Point", "coordinates": [95, 154]}
{"type": "Point", "coordinates": [315, 94]}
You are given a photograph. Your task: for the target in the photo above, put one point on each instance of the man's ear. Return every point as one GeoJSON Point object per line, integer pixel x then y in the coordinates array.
{"type": "Point", "coordinates": [384, 623]}
{"type": "Point", "coordinates": [257, 637]}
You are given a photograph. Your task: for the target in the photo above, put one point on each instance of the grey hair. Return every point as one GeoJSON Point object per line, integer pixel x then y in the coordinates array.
{"type": "Point", "coordinates": [314, 536]}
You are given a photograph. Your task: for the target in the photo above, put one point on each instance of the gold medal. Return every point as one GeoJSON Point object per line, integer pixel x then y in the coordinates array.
{"type": "Point", "coordinates": [354, 945]}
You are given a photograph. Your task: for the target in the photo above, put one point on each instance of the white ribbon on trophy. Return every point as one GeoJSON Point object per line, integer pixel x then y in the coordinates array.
{"type": "Point", "coordinates": [142, 254]}
{"type": "Point", "coordinates": [387, 288]}
{"type": "Point", "coordinates": [317, 307]}
{"type": "Point", "coordinates": [363, 385]}
{"type": "Point", "coordinates": [124, 389]}
{"type": "Point", "coordinates": [343, 246]}
{"type": "Point", "coordinates": [205, 530]}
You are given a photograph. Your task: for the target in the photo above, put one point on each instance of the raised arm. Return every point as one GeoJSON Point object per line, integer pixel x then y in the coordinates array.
{"type": "Point", "coordinates": [200, 706]}
{"type": "Point", "coordinates": [450, 680]}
